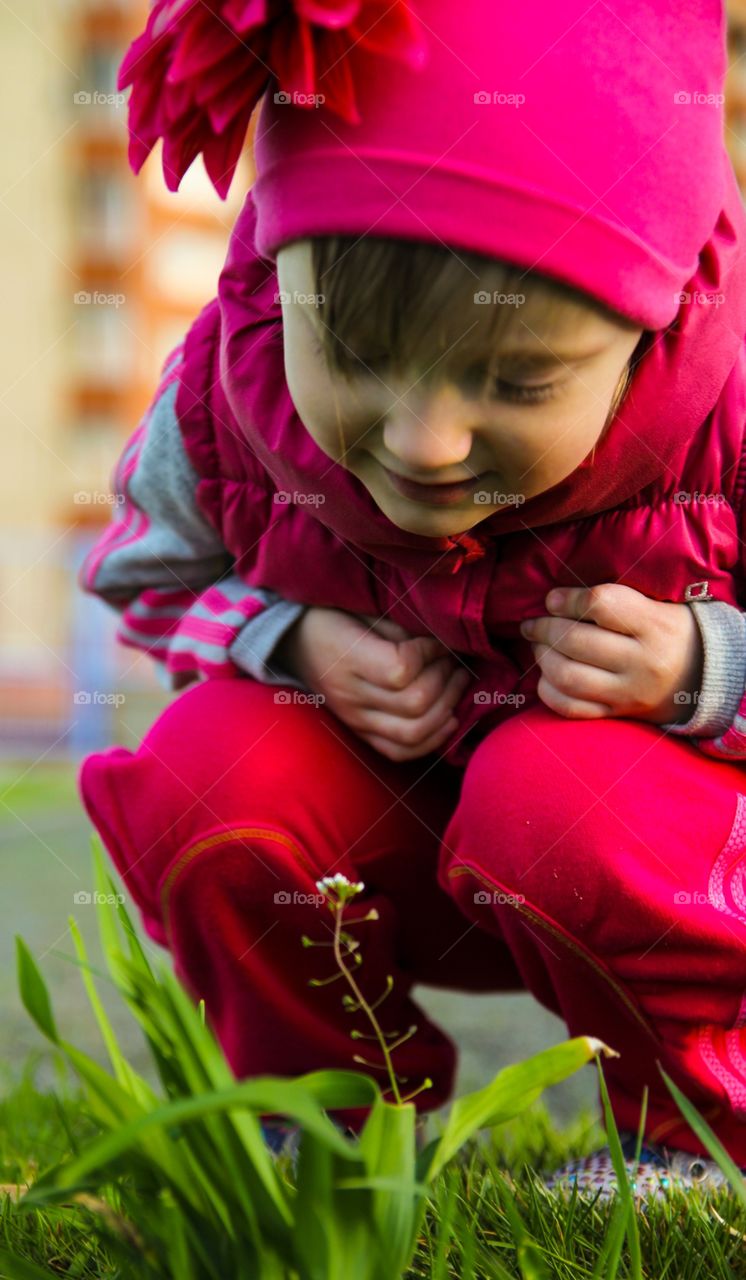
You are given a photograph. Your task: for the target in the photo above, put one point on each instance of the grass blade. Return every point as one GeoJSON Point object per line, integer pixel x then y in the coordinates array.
{"type": "Point", "coordinates": [34, 993]}
{"type": "Point", "coordinates": [15, 1268]}
{"type": "Point", "coordinates": [624, 1190]}
{"type": "Point", "coordinates": [513, 1090]}
{"type": "Point", "coordinates": [528, 1253]}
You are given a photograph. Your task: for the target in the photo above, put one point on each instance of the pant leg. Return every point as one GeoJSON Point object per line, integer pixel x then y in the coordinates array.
{"type": "Point", "coordinates": [611, 858]}
{"type": "Point", "coordinates": [220, 824]}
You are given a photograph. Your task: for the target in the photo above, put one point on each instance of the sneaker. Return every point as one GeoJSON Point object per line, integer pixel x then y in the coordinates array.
{"type": "Point", "coordinates": [658, 1170]}
{"type": "Point", "coordinates": [283, 1139]}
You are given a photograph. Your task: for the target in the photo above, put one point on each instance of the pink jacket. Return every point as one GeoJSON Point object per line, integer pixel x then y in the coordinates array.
{"type": "Point", "coordinates": [660, 508]}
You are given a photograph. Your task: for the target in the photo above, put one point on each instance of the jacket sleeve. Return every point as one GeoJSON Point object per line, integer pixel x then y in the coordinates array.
{"type": "Point", "coordinates": [164, 568]}
{"type": "Point", "coordinates": [718, 725]}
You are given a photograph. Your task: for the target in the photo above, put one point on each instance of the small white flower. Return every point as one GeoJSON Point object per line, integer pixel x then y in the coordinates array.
{"type": "Point", "coordinates": [338, 886]}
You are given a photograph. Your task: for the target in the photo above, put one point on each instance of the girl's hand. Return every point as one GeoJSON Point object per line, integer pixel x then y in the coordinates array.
{"type": "Point", "coordinates": [611, 651]}
{"type": "Point", "coordinates": [395, 690]}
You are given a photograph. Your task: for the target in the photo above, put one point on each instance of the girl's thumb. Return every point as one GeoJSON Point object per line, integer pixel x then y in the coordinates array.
{"type": "Point", "coordinates": [423, 650]}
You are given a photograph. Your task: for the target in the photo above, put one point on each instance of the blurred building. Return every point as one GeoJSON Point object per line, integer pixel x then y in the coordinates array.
{"type": "Point", "coordinates": [735, 89]}
{"type": "Point", "coordinates": [103, 272]}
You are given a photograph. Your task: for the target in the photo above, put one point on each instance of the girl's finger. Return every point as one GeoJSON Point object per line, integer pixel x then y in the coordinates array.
{"type": "Point", "coordinates": [571, 708]}
{"type": "Point", "coordinates": [609, 604]}
{"type": "Point", "coordinates": [407, 731]}
{"type": "Point", "coordinates": [418, 696]}
{"type": "Point", "coordinates": [390, 664]}
{"type": "Point", "coordinates": [390, 630]}
{"type": "Point", "coordinates": [583, 642]}
{"type": "Point", "coordinates": [576, 679]}
{"type": "Point", "coordinates": [396, 751]}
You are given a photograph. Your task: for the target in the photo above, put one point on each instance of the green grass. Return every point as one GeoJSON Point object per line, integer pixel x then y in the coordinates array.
{"type": "Point", "coordinates": [467, 1230]}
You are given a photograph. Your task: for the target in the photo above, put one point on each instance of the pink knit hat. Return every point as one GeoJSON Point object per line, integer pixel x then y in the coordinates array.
{"type": "Point", "coordinates": [581, 141]}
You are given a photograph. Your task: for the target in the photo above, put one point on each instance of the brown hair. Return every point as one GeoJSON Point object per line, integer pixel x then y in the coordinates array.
{"type": "Point", "coordinates": [425, 322]}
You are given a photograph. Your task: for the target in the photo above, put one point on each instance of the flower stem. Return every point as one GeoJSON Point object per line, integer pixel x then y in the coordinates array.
{"type": "Point", "coordinates": [363, 1003]}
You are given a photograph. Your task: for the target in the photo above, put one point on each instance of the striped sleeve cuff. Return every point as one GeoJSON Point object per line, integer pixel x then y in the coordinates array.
{"type": "Point", "coordinates": [257, 640]}
{"type": "Point", "coordinates": [723, 630]}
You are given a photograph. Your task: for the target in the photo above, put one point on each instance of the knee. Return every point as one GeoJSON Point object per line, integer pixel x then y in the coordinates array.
{"type": "Point", "coordinates": [525, 773]}
{"type": "Point", "coordinates": [219, 726]}
{"type": "Point", "coordinates": [221, 753]}
{"type": "Point", "coordinates": [532, 814]}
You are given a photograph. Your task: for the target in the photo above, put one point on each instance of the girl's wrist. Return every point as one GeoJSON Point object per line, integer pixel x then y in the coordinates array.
{"type": "Point", "coordinates": [288, 652]}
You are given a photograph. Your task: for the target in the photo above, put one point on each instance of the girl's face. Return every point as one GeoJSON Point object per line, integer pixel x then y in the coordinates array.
{"type": "Point", "coordinates": [437, 457]}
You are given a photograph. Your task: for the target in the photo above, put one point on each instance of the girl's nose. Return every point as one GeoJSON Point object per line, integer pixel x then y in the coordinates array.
{"type": "Point", "coordinates": [430, 432]}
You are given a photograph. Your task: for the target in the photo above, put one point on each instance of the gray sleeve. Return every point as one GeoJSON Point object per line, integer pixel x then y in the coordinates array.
{"type": "Point", "coordinates": [254, 646]}
{"type": "Point", "coordinates": [257, 640]}
{"type": "Point", "coordinates": [176, 547]}
{"type": "Point", "coordinates": [723, 630]}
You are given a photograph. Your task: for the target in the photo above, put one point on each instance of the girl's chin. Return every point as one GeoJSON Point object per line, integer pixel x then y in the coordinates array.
{"type": "Point", "coordinates": [432, 522]}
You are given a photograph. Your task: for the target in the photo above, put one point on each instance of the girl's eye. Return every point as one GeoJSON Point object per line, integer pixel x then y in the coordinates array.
{"type": "Point", "coordinates": [523, 394]}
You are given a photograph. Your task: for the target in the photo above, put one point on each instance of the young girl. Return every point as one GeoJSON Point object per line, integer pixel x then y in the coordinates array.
{"type": "Point", "coordinates": [451, 474]}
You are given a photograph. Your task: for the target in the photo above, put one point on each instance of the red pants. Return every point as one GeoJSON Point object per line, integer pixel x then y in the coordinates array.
{"type": "Point", "coordinates": [599, 863]}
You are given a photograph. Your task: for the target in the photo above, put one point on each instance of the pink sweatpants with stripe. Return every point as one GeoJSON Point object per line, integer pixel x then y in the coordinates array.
{"type": "Point", "coordinates": [599, 864]}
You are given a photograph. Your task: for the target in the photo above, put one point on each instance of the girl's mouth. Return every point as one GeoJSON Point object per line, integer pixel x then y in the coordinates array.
{"type": "Point", "coordinates": [437, 494]}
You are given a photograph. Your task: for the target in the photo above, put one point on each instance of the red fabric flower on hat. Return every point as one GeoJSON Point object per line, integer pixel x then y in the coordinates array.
{"type": "Point", "coordinates": [200, 67]}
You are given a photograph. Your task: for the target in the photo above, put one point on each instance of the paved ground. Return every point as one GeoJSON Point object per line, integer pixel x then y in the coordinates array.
{"type": "Point", "coordinates": [45, 860]}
